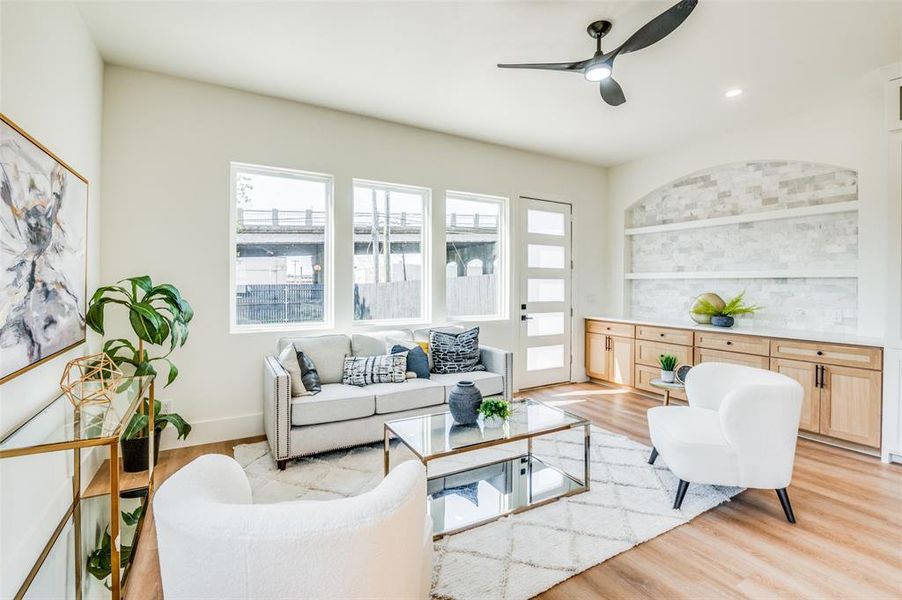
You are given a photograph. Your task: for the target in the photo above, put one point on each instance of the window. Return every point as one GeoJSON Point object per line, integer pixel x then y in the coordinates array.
{"type": "Point", "coordinates": [281, 230]}
{"type": "Point", "coordinates": [390, 255]}
{"type": "Point", "coordinates": [474, 284]}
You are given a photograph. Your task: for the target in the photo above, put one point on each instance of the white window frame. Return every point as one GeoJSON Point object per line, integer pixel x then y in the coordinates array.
{"type": "Point", "coordinates": [503, 260]}
{"type": "Point", "coordinates": [425, 247]}
{"type": "Point", "coordinates": [328, 266]}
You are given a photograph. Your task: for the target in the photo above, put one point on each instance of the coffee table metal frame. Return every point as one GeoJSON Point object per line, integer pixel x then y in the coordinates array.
{"type": "Point", "coordinates": [529, 436]}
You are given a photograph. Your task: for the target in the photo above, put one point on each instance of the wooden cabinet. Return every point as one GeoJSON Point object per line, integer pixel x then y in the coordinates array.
{"type": "Point", "coordinates": [806, 374]}
{"type": "Point", "coordinates": [610, 358]}
{"type": "Point", "coordinates": [611, 328]}
{"type": "Point", "coordinates": [746, 344]}
{"type": "Point", "coordinates": [644, 374]}
{"type": "Point", "coordinates": [851, 404]}
{"type": "Point", "coordinates": [863, 357]}
{"type": "Point", "coordinates": [735, 358]}
{"type": "Point", "coordinates": [647, 353]}
{"type": "Point", "coordinates": [681, 337]}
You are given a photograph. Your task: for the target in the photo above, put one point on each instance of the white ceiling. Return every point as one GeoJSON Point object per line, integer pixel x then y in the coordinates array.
{"type": "Point", "coordinates": [432, 64]}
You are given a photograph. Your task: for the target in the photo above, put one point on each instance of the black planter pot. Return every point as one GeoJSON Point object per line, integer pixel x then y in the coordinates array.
{"type": "Point", "coordinates": [722, 321]}
{"type": "Point", "coordinates": [134, 453]}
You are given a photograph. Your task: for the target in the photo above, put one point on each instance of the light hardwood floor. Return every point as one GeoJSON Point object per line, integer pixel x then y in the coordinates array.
{"type": "Point", "coordinates": [847, 542]}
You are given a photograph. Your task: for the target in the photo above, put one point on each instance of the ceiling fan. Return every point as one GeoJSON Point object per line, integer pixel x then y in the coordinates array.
{"type": "Point", "coordinates": [601, 65]}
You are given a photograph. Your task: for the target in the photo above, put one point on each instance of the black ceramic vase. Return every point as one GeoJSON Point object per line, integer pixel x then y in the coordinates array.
{"type": "Point", "coordinates": [464, 400]}
{"type": "Point", "coordinates": [134, 453]}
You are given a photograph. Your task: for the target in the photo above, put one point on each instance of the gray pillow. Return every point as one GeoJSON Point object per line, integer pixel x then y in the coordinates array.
{"type": "Point", "coordinates": [455, 352]}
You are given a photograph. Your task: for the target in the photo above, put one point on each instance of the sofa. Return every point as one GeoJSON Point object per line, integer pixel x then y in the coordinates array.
{"type": "Point", "coordinates": [214, 542]}
{"type": "Point", "coordinates": [341, 416]}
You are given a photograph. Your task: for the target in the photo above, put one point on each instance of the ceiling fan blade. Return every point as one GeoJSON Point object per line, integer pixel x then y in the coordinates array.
{"type": "Point", "coordinates": [611, 92]}
{"type": "Point", "coordinates": [570, 66]}
{"type": "Point", "coordinates": [659, 27]}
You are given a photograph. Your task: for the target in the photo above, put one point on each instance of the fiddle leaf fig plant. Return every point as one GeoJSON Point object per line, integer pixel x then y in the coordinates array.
{"type": "Point", "coordinates": [159, 316]}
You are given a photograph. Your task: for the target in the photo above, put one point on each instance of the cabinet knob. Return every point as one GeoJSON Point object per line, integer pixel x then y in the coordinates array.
{"type": "Point", "coordinates": [820, 352]}
{"type": "Point", "coordinates": [661, 334]}
{"type": "Point", "coordinates": [729, 343]}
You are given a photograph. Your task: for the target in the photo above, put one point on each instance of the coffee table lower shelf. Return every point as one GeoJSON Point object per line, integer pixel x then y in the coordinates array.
{"type": "Point", "coordinates": [471, 497]}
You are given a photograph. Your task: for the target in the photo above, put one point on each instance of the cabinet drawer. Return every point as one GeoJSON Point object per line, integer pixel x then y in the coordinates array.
{"type": "Point", "coordinates": [662, 334]}
{"type": "Point", "coordinates": [647, 353]}
{"type": "Point", "coordinates": [863, 357]}
{"type": "Point", "coordinates": [749, 360]}
{"type": "Point", "coordinates": [645, 374]}
{"type": "Point", "coordinates": [746, 344]}
{"type": "Point", "coordinates": [611, 328]}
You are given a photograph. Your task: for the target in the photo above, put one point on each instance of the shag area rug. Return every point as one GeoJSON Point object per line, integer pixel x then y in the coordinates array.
{"type": "Point", "coordinates": [629, 502]}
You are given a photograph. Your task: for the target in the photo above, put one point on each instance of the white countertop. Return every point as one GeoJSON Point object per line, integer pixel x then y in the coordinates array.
{"type": "Point", "coordinates": [738, 329]}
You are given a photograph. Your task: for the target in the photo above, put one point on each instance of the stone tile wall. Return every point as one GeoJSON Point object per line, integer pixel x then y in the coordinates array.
{"type": "Point", "coordinates": [823, 242]}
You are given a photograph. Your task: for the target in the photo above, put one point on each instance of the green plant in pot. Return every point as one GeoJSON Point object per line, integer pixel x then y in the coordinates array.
{"type": "Point", "coordinates": [494, 411]}
{"type": "Point", "coordinates": [725, 316]}
{"type": "Point", "coordinates": [668, 363]}
{"type": "Point", "coordinates": [159, 317]}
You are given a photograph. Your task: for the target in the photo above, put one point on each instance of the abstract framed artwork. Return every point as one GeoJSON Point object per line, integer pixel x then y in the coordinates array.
{"type": "Point", "coordinates": [43, 253]}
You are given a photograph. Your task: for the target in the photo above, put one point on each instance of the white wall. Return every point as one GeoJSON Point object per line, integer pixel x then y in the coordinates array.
{"type": "Point", "coordinates": [849, 132]}
{"type": "Point", "coordinates": [168, 143]}
{"type": "Point", "coordinates": [51, 80]}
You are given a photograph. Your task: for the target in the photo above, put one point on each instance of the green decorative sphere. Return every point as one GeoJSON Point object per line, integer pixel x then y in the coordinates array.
{"type": "Point", "coordinates": [711, 297]}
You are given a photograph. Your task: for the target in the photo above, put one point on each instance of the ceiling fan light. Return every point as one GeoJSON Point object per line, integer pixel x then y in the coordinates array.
{"type": "Point", "coordinates": [598, 72]}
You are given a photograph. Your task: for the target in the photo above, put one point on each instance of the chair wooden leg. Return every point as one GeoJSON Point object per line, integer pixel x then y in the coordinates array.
{"type": "Point", "coordinates": [680, 494]}
{"type": "Point", "coordinates": [787, 507]}
{"type": "Point", "coordinates": [282, 464]}
{"type": "Point", "coordinates": [653, 457]}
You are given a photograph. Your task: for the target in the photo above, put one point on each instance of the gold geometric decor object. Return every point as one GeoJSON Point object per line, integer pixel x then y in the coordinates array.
{"type": "Point", "coordinates": [91, 379]}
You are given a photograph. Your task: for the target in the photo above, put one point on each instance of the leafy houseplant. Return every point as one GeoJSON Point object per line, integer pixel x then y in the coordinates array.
{"type": "Point", "coordinates": [159, 316]}
{"type": "Point", "coordinates": [100, 561]}
{"type": "Point", "coordinates": [725, 317]}
{"type": "Point", "coordinates": [668, 364]}
{"type": "Point", "coordinates": [494, 411]}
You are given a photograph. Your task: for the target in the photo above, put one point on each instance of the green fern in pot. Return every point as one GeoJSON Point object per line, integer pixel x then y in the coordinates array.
{"type": "Point", "coordinates": [725, 317]}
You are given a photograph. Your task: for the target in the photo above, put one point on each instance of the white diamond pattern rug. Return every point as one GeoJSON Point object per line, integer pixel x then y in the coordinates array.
{"type": "Point", "coordinates": [629, 502]}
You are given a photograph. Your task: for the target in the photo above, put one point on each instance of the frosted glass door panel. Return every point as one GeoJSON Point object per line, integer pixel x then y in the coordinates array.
{"type": "Point", "coordinates": [545, 290]}
{"type": "Point", "coordinates": [545, 324]}
{"type": "Point", "coordinates": [545, 257]}
{"type": "Point", "coordinates": [544, 357]}
{"type": "Point", "coordinates": [545, 222]}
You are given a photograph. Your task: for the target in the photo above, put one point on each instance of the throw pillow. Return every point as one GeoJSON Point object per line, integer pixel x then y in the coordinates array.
{"type": "Point", "coordinates": [455, 352]}
{"type": "Point", "coordinates": [288, 358]}
{"type": "Point", "coordinates": [364, 370]}
{"type": "Point", "coordinates": [417, 360]}
{"type": "Point", "coordinates": [309, 374]}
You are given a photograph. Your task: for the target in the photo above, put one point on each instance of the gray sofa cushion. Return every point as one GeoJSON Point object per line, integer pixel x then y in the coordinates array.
{"type": "Point", "coordinates": [414, 393]}
{"type": "Point", "coordinates": [376, 342]}
{"type": "Point", "coordinates": [326, 351]}
{"type": "Point", "coordinates": [488, 384]}
{"type": "Point", "coordinates": [336, 402]}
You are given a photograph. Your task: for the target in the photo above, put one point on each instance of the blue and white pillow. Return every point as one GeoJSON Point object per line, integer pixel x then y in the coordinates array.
{"type": "Point", "coordinates": [364, 370]}
{"type": "Point", "coordinates": [455, 352]}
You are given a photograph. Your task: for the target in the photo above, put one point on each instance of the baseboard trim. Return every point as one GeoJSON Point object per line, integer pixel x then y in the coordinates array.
{"type": "Point", "coordinates": [208, 431]}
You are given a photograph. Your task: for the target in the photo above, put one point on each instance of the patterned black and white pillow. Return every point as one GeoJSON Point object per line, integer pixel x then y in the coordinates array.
{"type": "Point", "coordinates": [364, 370]}
{"type": "Point", "coordinates": [455, 352]}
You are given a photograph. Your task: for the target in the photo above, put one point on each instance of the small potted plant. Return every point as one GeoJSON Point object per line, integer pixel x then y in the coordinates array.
{"type": "Point", "coordinates": [668, 363]}
{"type": "Point", "coordinates": [724, 317]}
{"type": "Point", "coordinates": [495, 412]}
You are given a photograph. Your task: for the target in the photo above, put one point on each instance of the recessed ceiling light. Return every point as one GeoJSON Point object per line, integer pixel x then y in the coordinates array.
{"type": "Point", "coordinates": [733, 93]}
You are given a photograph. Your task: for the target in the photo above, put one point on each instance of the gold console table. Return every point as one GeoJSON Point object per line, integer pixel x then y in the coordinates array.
{"type": "Point", "coordinates": [60, 427]}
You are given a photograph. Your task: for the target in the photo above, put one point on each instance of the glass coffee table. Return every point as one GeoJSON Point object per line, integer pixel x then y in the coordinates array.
{"type": "Point", "coordinates": [489, 486]}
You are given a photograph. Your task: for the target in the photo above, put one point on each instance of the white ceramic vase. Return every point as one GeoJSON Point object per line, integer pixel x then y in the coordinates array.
{"type": "Point", "coordinates": [667, 376]}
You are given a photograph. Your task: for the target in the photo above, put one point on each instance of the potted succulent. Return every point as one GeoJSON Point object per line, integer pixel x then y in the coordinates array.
{"type": "Point", "coordinates": [668, 363]}
{"type": "Point", "coordinates": [724, 316]}
{"type": "Point", "coordinates": [495, 412]}
{"type": "Point", "coordinates": [159, 316]}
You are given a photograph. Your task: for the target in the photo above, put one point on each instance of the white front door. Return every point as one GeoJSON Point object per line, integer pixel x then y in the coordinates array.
{"type": "Point", "coordinates": [544, 259]}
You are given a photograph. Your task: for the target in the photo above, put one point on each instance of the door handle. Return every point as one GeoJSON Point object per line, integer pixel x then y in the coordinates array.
{"type": "Point", "coordinates": [525, 318]}
{"type": "Point", "coordinates": [823, 377]}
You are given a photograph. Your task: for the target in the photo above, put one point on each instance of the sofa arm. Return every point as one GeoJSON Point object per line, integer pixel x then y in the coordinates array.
{"type": "Point", "coordinates": [501, 362]}
{"type": "Point", "coordinates": [276, 407]}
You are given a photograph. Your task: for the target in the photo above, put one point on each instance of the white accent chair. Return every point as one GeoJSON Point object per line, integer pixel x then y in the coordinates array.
{"type": "Point", "coordinates": [739, 429]}
{"type": "Point", "coordinates": [214, 543]}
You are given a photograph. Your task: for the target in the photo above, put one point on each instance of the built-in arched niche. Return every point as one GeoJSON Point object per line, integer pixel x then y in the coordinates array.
{"type": "Point", "coordinates": [786, 232]}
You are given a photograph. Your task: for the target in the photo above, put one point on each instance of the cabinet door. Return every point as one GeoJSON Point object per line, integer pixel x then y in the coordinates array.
{"type": "Point", "coordinates": [850, 405]}
{"type": "Point", "coordinates": [597, 360]}
{"type": "Point", "coordinates": [805, 373]}
{"type": "Point", "coordinates": [622, 360]}
{"type": "Point", "coordinates": [647, 353]}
